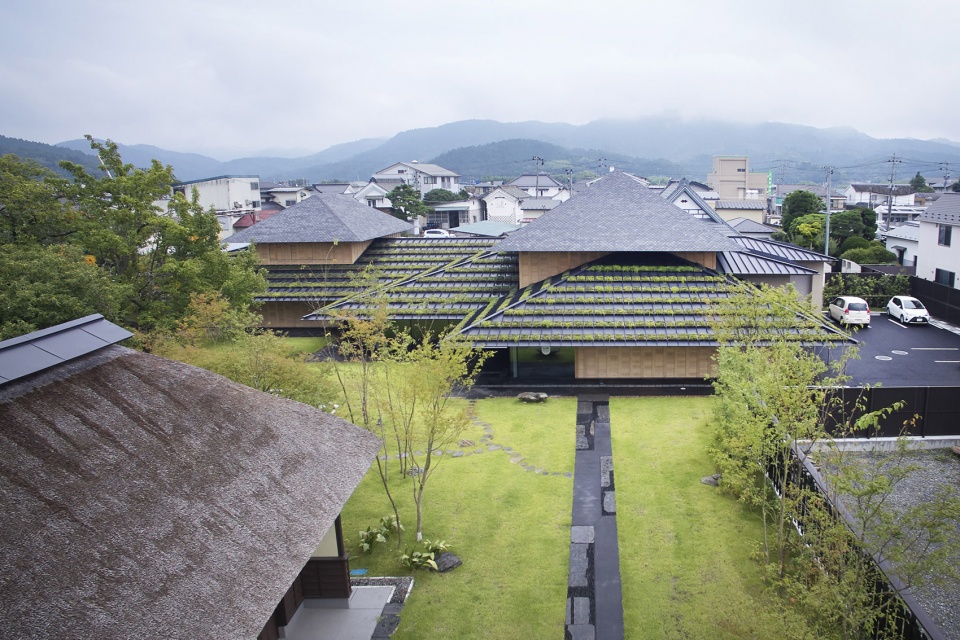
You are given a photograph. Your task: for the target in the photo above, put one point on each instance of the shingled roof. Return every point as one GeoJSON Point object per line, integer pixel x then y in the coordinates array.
{"type": "Point", "coordinates": [946, 210]}
{"type": "Point", "coordinates": [618, 213]}
{"type": "Point", "coordinates": [145, 498]}
{"type": "Point", "coordinates": [323, 218]}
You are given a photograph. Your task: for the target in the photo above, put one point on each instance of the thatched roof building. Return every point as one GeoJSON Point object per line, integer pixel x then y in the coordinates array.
{"type": "Point", "coordinates": [146, 498]}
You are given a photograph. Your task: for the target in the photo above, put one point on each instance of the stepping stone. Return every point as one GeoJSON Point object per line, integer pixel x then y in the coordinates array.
{"type": "Point", "coordinates": [539, 471]}
{"type": "Point", "coordinates": [507, 449]}
{"type": "Point", "coordinates": [581, 534]}
{"type": "Point", "coordinates": [516, 460]}
{"type": "Point", "coordinates": [582, 632]}
{"type": "Point", "coordinates": [458, 454]}
{"type": "Point", "coordinates": [493, 447]}
{"type": "Point", "coordinates": [609, 502]}
{"type": "Point", "coordinates": [581, 611]}
{"type": "Point", "coordinates": [479, 450]}
{"type": "Point", "coordinates": [582, 443]}
{"type": "Point", "coordinates": [567, 474]}
{"type": "Point", "coordinates": [578, 565]}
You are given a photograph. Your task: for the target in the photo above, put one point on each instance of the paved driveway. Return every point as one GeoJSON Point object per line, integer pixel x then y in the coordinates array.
{"type": "Point", "coordinates": [896, 355]}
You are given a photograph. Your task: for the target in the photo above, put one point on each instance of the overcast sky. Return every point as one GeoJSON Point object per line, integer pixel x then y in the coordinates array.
{"type": "Point", "coordinates": [232, 77]}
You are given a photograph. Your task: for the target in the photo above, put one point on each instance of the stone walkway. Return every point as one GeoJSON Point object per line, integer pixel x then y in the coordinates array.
{"type": "Point", "coordinates": [594, 597]}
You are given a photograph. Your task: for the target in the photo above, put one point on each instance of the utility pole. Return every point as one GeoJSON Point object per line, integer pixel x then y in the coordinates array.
{"type": "Point", "coordinates": [893, 168]}
{"type": "Point", "coordinates": [946, 174]}
{"type": "Point", "coordinates": [826, 240]}
{"type": "Point", "coordinates": [539, 161]}
{"type": "Point", "coordinates": [569, 173]}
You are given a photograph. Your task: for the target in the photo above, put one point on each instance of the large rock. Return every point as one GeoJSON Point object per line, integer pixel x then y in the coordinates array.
{"type": "Point", "coordinates": [446, 561]}
{"type": "Point", "coordinates": [532, 396]}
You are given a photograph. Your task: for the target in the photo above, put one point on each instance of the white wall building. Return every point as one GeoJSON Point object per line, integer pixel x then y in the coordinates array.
{"type": "Point", "coordinates": [938, 252]}
{"type": "Point", "coordinates": [422, 177]}
{"type": "Point", "coordinates": [230, 197]}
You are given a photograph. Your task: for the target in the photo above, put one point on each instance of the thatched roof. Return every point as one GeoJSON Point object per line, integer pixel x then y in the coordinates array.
{"type": "Point", "coordinates": [145, 498]}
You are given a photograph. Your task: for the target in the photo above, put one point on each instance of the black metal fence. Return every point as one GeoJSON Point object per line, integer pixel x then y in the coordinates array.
{"type": "Point", "coordinates": [926, 411]}
{"type": "Point", "coordinates": [942, 301]}
{"type": "Point", "coordinates": [901, 615]}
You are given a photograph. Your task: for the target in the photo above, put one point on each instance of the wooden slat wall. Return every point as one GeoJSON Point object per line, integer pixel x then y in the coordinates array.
{"type": "Point", "coordinates": [287, 315]}
{"type": "Point", "coordinates": [326, 578]}
{"type": "Point", "coordinates": [536, 266]}
{"type": "Point", "coordinates": [644, 362]}
{"type": "Point", "coordinates": [311, 252]}
{"type": "Point", "coordinates": [706, 258]}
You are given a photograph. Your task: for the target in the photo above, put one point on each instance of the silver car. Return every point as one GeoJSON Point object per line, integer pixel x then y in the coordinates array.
{"type": "Point", "coordinates": [908, 310]}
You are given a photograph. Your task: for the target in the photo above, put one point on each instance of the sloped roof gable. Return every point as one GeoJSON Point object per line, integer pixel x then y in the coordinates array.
{"type": "Point", "coordinates": [618, 213]}
{"type": "Point", "coordinates": [323, 218]}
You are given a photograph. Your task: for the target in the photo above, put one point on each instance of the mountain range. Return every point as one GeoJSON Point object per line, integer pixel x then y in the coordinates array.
{"type": "Point", "coordinates": [652, 147]}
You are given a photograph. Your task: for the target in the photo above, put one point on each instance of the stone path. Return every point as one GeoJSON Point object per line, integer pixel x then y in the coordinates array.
{"type": "Point", "coordinates": [594, 597]}
{"type": "Point", "coordinates": [488, 444]}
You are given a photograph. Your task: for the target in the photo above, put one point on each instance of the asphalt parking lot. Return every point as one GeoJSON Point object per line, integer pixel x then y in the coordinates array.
{"type": "Point", "coordinates": [895, 355]}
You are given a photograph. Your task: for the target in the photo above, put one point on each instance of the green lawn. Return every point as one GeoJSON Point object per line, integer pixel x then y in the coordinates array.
{"type": "Point", "coordinates": [511, 527]}
{"type": "Point", "coordinates": [685, 549]}
{"type": "Point", "coordinates": [305, 346]}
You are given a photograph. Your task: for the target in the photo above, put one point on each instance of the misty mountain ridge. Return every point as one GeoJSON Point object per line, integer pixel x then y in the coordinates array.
{"type": "Point", "coordinates": [651, 146]}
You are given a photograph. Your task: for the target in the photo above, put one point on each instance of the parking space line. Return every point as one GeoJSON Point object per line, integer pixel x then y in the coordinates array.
{"type": "Point", "coordinates": [935, 348]}
{"type": "Point", "coordinates": [902, 326]}
{"type": "Point", "coordinates": [948, 361]}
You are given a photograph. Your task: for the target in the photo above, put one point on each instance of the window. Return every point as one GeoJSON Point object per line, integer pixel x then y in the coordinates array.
{"type": "Point", "coordinates": [371, 202]}
{"type": "Point", "coordinates": [944, 277]}
{"type": "Point", "coordinates": [429, 180]}
{"type": "Point", "coordinates": [401, 170]}
{"type": "Point", "coordinates": [944, 235]}
{"type": "Point", "coordinates": [741, 170]}
{"type": "Point", "coordinates": [256, 204]}
{"type": "Point", "coordinates": [289, 203]}
{"type": "Point", "coordinates": [443, 181]}
{"type": "Point", "coordinates": [254, 186]}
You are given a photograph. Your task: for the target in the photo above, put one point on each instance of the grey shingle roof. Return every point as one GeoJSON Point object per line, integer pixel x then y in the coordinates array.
{"type": "Point", "coordinates": [145, 498]}
{"type": "Point", "coordinates": [779, 250]}
{"type": "Point", "coordinates": [531, 180]}
{"type": "Point", "coordinates": [323, 218]}
{"type": "Point", "coordinates": [946, 210]}
{"type": "Point", "coordinates": [745, 225]}
{"type": "Point", "coordinates": [742, 263]}
{"type": "Point", "coordinates": [883, 189]}
{"type": "Point", "coordinates": [618, 213]}
{"type": "Point", "coordinates": [752, 205]}
{"type": "Point", "coordinates": [539, 204]}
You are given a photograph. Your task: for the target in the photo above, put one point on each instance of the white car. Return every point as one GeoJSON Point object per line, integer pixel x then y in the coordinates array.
{"type": "Point", "coordinates": [850, 310]}
{"type": "Point", "coordinates": [908, 310]}
{"type": "Point", "coordinates": [437, 233]}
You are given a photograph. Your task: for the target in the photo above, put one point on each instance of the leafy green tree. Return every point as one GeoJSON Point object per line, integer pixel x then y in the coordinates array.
{"type": "Point", "coordinates": [869, 217]}
{"type": "Point", "coordinates": [30, 208]}
{"type": "Point", "coordinates": [855, 242]}
{"type": "Point", "coordinates": [846, 224]}
{"type": "Point", "coordinates": [919, 184]}
{"type": "Point", "coordinates": [797, 204]}
{"type": "Point", "coordinates": [46, 285]}
{"type": "Point", "coordinates": [876, 253]}
{"type": "Point", "coordinates": [437, 196]}
{"type": "Point", "coordinates": [808, 230]}
{"type": "Point", "coordinates": [407, 203]}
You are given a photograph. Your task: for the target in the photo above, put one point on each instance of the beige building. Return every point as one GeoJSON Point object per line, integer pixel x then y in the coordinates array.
{"type": "Point", "coordinates": [732, 180]}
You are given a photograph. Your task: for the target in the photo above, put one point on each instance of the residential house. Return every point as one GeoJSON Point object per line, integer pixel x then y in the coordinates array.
{"type": "Point", "coordinates": [875, 196]}
{"type": "Point", "coordinates": [755, 210]}
{"type": "Point", "coordinates": [540, 185]}
{"type": "Point", "coordinates": [374, 195]}
{"type": "Point", "coordinates": [938, 252]}
{"type": "Point", "coordinates": [732, 179]}
{"type": "Point", "coordinates": [147, 498]}
{"type": "Point", "coordinates": [533, 208]}
{"type": "Point", "coordinates": [687, 196]}
{"type": "Point", "coordinates": [423, 177]}
{"type": "Point", "coordinates": [503, 204]}
{"type": "Point", "coordinates": [450, 215]}
{"type": "Point", "coordinates": [904, 240]}
{"type": "Point", "coordinates": [283, 195]}
{"type": "Point", "coordinates": [781, 191]}
{"type": "Point", "coordinates": [231, 196]}
{"type": "Point", "coordinates": [318, 233]}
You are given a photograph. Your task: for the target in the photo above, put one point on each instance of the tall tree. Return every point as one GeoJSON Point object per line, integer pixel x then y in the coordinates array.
{"type": "Point", "coordinates": [407, 203]}
{"type": "Point", "coordinates": [919, 184]}
{"type": "Point", "coordinates": [799, 203]}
